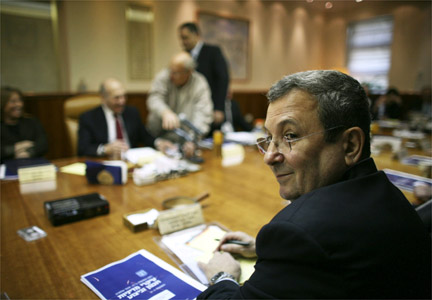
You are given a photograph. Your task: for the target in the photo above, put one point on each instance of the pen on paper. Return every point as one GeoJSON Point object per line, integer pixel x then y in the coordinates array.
{"type": "Point", "coordinates": [237, 242]}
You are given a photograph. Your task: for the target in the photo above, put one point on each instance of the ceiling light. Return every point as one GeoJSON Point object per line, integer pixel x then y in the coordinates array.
{"type": "Point", "coordinates": [328, 5]}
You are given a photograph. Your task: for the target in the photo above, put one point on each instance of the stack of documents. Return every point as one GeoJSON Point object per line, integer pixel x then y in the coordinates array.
{"type": "Point", "coordinates": [197, 244]}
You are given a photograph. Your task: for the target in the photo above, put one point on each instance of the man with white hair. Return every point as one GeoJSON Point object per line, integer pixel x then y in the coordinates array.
{"type": "Point", "coordinates": [176, 90]}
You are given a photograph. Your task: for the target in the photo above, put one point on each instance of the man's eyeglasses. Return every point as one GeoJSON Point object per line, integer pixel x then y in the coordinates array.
{"type": "Point", "coordinates": [264, 143]}
{"type": "Point", "coordinates": [178, 73]}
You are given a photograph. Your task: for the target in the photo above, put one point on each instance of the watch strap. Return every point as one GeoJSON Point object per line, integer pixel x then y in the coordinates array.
{"type": "Point", "coordinates": [222, 276]}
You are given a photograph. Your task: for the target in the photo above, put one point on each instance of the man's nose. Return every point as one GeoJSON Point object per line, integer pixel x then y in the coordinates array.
{"type": "Point", "coordinates": [273, 155]}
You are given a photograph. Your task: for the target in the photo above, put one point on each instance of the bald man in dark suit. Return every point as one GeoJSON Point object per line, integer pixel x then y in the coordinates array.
{"type": "Point", "coordinates": [114, 127]}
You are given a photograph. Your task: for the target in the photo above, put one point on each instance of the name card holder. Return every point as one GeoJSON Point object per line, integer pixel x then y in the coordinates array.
{"type": "Point", "coordinates": [37, 173]}
{"type": "Point", "coordinates": [34, 179]}
{"type": "Point", "coordinates": [180, 218]}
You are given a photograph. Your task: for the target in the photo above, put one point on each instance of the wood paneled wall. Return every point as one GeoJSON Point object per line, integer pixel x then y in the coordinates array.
{"type": "Point", "coordinates": [48, 108]}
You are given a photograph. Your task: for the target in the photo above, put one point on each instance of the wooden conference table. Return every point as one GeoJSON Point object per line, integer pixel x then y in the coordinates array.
{"type": "Point", "coordinates": [242, 197]}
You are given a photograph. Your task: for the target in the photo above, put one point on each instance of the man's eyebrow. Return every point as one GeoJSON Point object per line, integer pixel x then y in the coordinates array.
{"type": "Point", "coordinates": [283, 123]}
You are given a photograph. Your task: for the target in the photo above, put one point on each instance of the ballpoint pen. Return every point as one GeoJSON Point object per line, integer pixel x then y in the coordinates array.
{"type": "Point", "coordinates": [237, 242]}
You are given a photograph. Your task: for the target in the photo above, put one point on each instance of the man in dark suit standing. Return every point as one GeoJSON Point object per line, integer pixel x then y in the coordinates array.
{"type": "Point", "coordinates": [113, 127]}
{"type": "Point", "coordinates": [211, 63]}
{"type": "Point", "coordinates": [348, 232]}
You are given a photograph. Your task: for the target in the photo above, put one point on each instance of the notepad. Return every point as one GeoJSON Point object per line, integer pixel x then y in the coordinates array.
{"type": "Point", "coordinates": [207, 240]}
{"type": "Point", "coordinates": [76, 169]}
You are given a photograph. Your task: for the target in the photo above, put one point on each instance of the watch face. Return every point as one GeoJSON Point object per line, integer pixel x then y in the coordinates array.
{"type": "Point", "coordinates": [219, 276]}
{"type": "Point", "coordinates": [216, 277]}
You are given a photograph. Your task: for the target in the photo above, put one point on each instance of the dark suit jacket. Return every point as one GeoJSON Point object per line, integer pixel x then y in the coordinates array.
{"type": "Point", "coordinates": [238, 119]}
{"type": "Point", "coordinates": [212, 64]}
{"type": "Point", "coordinates": [26, 129]}
{"type": "Point", "coordinates": [93, 130]}
{"type": "Point", "coordinates": [359, 238]}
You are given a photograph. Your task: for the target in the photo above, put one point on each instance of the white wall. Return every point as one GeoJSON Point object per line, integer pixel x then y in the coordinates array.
{"type": "Point", "coordinates": [95, 41]}
{"type": "Point", "coordinates": [285, 37]}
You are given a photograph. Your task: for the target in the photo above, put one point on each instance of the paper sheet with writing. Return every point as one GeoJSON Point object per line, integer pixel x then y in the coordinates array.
{"type": "Point", "coordinates": [406, 181]}
{"type": "Point", "coordinates": [197, 244]}
{"type": "Point", "coordinates": [415, 160]}
{"type": "Point", "coordinates": [142, 155]}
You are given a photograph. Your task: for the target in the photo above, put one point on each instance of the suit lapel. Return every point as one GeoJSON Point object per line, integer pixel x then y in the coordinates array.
{"type": "Point", "coordinates": [103, 127]}
{"type": "Point", "coordinates": [126, 122]}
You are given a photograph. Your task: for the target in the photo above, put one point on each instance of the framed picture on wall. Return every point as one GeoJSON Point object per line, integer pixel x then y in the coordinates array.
{"type": "Point", "coordinates": [232, 35]}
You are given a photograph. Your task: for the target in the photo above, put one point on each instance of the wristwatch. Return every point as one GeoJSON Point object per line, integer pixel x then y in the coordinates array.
{"type": "Point", "coordinates": [100, 151]}
{"type": "Point", "coordinates": [221, 276]}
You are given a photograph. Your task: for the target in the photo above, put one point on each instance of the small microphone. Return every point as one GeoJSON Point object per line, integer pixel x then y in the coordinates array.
{"type": "Point", "coordinates": [183, 134]}
{"type": "Point", "coordinates": [188, 124]}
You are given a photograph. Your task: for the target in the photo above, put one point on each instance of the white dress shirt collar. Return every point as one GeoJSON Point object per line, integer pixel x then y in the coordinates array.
{"type": "Point", "coordinates": [196, 50]}
{"type": "Point", "coordinates": [110, 119]}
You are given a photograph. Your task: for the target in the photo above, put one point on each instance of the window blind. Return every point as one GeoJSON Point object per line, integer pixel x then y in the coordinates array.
{"type": "Point", "coordinates": [369, 51]}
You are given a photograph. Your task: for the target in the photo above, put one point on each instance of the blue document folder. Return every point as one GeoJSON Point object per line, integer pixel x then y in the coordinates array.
{"type": "Point", "coordinates": [142, 275]}
{"type": "Point", "coordinates": [106, 172]}
{"type": "Point", "coordinates": [406, 181]}
{"type": "Point", "coordinates": [13, 165]}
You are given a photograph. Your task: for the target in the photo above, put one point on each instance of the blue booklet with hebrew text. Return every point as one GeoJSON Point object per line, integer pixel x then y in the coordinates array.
{"type": "Point", "coordinates": [142, 275]}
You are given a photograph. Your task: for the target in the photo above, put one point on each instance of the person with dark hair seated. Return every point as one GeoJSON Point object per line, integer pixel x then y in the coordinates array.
{"type": "Point", "coordinates": [347, 232]}
{"type": "Point", "coordinates": [234, 119]}
{"type": "Point", "coordinates": [388, 106]}
{"type": "Point", "coordinates": [21, 136]}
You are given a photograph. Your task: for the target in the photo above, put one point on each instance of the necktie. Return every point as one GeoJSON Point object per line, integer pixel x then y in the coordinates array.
{"type": "Point", "coordinates": [119, 131]}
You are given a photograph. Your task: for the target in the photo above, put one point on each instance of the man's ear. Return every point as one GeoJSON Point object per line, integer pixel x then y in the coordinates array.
{"type": "Point", "coordinates": [353, 141]}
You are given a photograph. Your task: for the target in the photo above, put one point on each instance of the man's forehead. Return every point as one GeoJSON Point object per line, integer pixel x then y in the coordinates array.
{"type": "Point", "coordinates": [292, 108]}
{"type": "Point", "coordinates": [115, 91]}
{"type": "Point", "coordinates": [186, 31]}
{"type": "Point", "coordinates": [294, 101]}
{"type": "Point", "coordinates": [177, 67]}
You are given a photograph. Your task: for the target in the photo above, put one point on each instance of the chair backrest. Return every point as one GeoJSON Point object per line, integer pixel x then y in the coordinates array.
{"type": "Point", "coordinates": [73, 108]}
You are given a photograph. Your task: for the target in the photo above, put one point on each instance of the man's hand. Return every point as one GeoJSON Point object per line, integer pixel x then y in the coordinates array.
{"type": "Point", "coordinates": [246, 251]}
{"type": "Point", "coordinates": [22, 149]}
{"type": "Point", "coordinates": [221, 261]}
{"type": "Point", "coordinates": [422, 191]}
{"type": "Point", "coordinates": [218, 116]}
{"type": "Point", "coordinates": [188, 149]}
{"type": "Point", "coordinates": [164, 145]}
{"type": "Point", "coordinates": [170, 120]}
{"type": "Point", "coordinates": [115, 149]}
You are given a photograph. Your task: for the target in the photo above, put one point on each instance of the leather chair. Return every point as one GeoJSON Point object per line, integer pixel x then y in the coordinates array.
{"type": "Point", "coordinates": [73, 108]}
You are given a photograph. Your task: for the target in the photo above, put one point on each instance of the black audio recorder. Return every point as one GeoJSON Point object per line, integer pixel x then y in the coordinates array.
{"type": "Point", "coordinates": [76, 208]}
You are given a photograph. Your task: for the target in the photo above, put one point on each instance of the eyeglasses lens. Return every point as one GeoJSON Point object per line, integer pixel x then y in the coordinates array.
{"type": "Point", "coordinates": [262, 145]}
